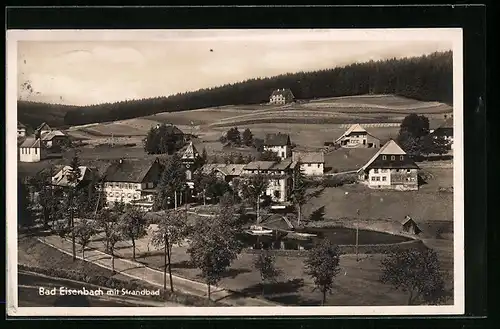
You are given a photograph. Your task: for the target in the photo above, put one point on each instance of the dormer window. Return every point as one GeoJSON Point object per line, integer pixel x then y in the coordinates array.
{"type": "Point", "coordinates": [393, 157]}
{"type": "Point", "coordinates": [384, 157]}
{"type": "Point", "coordinates": [401, 158]}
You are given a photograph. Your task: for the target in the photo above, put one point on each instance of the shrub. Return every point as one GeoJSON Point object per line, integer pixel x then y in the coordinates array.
{"type": "Point", "coordinates": [339, 180]}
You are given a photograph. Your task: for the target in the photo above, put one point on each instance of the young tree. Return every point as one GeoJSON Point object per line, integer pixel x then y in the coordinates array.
{"type": "Point", "coordinates": [299, 193]}
{"type": "Point", "coordinates": [253, 188]}
{"type": "Point", "coordinates": [47, 199]}
{"type": "Point", "coordinates": [269, 156]}
{"type": "Point", "coordinates": [84, 230]}
{"type": "Point", "coordinates": [416, 125]}
{"type": "Point", "coordinates": [233, 136]}
{"type": "Point", "coordinates": [24, 212]}
{"type": "Point", "coordinates": [71, 193]}
{"type": "Point", "coordinates": [204, 157]}
{"type": "Point", "coordinates": [322, 264]}
{"type": "Point", "coordinates": [214, 246]}
{"type": "Point", "coordinates": [265, 263]}
{"type": "Point", "coordinates": [108, 222]}
{"type": "Point", "coordinates": [415, 272]}
{"type": "Point", "coordinates": [247, 137]}
{"type": "Point", "coordinates": [172, 181]}
{"type": "Point", "coordinates": [133, 226]}
{"type": "Point", "coordinates": [172, 229]}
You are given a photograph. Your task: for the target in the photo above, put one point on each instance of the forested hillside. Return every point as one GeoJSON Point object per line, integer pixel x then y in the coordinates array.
{"type": "Point", "coordinates": [427, 78]}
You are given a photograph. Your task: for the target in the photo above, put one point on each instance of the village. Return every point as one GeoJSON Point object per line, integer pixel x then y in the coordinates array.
{"type": "Point", "coordinates": [276, 190]}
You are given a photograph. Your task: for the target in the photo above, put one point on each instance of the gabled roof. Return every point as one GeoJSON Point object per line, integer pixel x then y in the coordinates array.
{"type": "Point", "coordinates": [355, 128]}
{"type": "Point", "coordinates": [191, 153]}
{"type": "Point", "coordinates": [278, 139]}
{"type": "Point", "coordinates": [61, 177]}
{"type": "Point", "coordinates": [132, 171]}
{"type": "Point", "coordinates": [43, 126]}
{"type": "Point", "coordinates": [232, 169]}
{"type": "Point", "coordinates": [51, 134]}
{"type": "Point", "coordinates": [208, 168]}
{"type": "Point", "coordinates": [20, 125]}
{"type": "Point", "coordinates": [308, 157]}
{"type": "Point", "coordinates": [259, 165]}
{"type": "Point", "coordinates": [31, 142]}
{"type": "Point", "coordinates": [389, 148]}
{"type": "Point", "coordinates": [285, 92]}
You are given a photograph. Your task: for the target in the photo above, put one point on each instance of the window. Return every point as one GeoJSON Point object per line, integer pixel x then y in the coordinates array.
{"type": "Point", "coordinates": [308, 164]}
{"type": "Point", "coordinates": [408, 170]}
{"type": "Point", "coordinates": [319, 165]}
{"type": "Point", "coordinates": [375, 171]}
{"type": "Point", "coordinates": [383, 170]}
{"type": "Point", "coordinates": [373, 178]}
{"type": "Point", "coordinates": [384, 157]}
{"type": "Point", "coordinates": [282, 154]}
{"type": "Point", "coordinates": [397, 170]}
{"type": "Point", "coordinates": [377, 178]}
{"type": "Point", "coordinates": [401, 157]}
{"type": "Point", "coordinates": [129, 195]}
{"type": "Point", "coordinates": [393, 157]}
{"type": "Point", "coordinates": [384, 179]}
{"type": "Point", "coordinates": [136, 196]}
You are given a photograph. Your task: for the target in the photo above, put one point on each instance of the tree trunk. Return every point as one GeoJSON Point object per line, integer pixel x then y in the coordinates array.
{"type": "Point", "coordinates": [133, 248]}
{"type": "Point", "coordinates": [113, 261]}
{"type": "Point", "coordinates": [204, 198]}
{"type": "Point", "coordinates": [165, 266]}
{"type": "Point", "coordinates": [324, 298]}
{"type": "Point", "coordinates": [298, 217]}
{"type": "Point", "coordinates": [208, 291]}
{"type": "Point", "coordinates": [175, 199]}
{"type": "Point", "coordinates": [258, 209]}
{"type": "Point", "coordinates": [169, 254]}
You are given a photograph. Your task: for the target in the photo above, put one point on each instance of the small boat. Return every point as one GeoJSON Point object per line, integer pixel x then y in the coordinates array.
{"type": "Point", "coordinates": [258, 230]}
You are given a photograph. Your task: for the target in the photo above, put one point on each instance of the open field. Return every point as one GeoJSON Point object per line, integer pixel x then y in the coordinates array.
{"type": "Point", "coordinates": [310, 122]}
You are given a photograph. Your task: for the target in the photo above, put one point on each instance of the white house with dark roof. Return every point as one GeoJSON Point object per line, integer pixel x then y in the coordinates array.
{"type": "Point", "coordinates": [390, 168]}
{"type": "Point", "coordinates": [132, 181]}
{"type": "Point", "coordinates": [21, 130]}
{"type": "Point", "coordinates": [357, 137]}
{"type": "Point", "coordinates": [310, 163]}
{"type": "Point", "coordinates": [32, 150]}
{"type": "Point", "coordinates": [278, 143]}
{"type": "Point", "coordinates": [281, 96]}
{"type": "Point", "coordinates": [279, 175]}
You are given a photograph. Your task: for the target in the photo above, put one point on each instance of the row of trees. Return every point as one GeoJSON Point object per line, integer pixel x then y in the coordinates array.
{"type": "Point", "coordinates": [235, 138]}
{"type": "Point", "coordinates": [426, 78]}
{"type": "Point", "coordinates": [415, 138]}
{"type": "Point", "coordinates": [162, 140]}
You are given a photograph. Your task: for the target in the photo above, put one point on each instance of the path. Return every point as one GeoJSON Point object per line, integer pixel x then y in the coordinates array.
{"type": "Point", "coordinates": [138, 271]}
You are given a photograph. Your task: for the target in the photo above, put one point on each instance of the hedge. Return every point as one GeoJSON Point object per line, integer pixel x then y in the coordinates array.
{"type": "Point", "coordinates": [113, 283]}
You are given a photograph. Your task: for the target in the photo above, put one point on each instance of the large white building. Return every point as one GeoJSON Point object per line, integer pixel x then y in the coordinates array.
{"type": "Point", "coordinates": [357, 137]}
{"type": "Point", "coordinates": [279, 175]}
{"type": "Point", "coordinates": [310, 163]}
{"type": "Point", "coordinates": [32, 150]}
{"type": "Point", "coordinates": [281, 96]}
{"type": "Point", "coordinates": [278, 143]}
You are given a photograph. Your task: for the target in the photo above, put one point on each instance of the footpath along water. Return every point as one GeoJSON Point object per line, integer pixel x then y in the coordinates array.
{"type": "Point", "coordinates": [138, 271]}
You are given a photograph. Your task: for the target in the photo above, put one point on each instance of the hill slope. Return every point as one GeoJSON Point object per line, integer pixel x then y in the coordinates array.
{"type": "Point", "coordinates": [425, 78]}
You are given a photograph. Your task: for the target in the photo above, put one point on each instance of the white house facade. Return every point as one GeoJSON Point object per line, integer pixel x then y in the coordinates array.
{"type": "Point", "coordinates": [310, 163]}
{"type": "Point", "coordinates": [32, 150]}
{"type": "Point", "coordinates": [278, 143]}
{"type": "Point", "coordinates": [278, 175]}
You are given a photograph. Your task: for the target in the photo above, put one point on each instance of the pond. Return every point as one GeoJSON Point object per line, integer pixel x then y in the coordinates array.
{"type": "Point", "coordinates": [338, 235]}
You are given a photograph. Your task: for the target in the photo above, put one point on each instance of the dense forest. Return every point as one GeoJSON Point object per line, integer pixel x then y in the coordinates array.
{"type": "Point", "coordinates": [426, 78]}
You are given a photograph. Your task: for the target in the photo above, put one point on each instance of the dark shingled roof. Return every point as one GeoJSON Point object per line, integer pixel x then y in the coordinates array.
{"type": "Point", "coordinates": [132, 171]}
{"type": "Point", "coordinates": [278, 139]}
{"type": "Point", "coordinates": [31, 142]}
{"type": "Point", "coordinates": [285, 92]}
{"type": "Point", "coordinates": [43, 126]}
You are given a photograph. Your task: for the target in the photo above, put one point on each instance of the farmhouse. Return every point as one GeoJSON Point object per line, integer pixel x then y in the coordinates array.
{"type": "Point", "coordinates": [445, 130]}
{"type": "Point", "coordinates": [310, 163]}
{"type": "Point", "coordinates": [21, 130]}
{"type": "Point", "coordinates": [279, 175]}
{"type": "Point", "coordinates": [54, 138]}
{"type": "Point", "coordinates": [62, 177]}
{"type": "Point", "coordinates": [278, 143]}
{"type": "Point", "coordinates": [357, 137]}
{"type": "Point", "coordinates": [43, 129]}
{"type": "Point", "coordinates": [281, 96]}
{"type": "Point", "coordinates": [390, 168]}
{"type": "Point", "coordinates": [132, 181]}
{"type": "Point", "coordinates": [32, 150]}
{"type": "Point", "coordinates": [226, 172]}
{"type": "Point", "coordinates": [409, 226]}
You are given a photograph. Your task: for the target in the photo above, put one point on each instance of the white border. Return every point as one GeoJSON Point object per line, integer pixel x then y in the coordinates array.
{"type": "Point", "coordinates": [453, 35]}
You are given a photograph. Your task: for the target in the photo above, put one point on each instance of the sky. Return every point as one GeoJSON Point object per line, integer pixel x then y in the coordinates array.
{"type": "Point", "coordinates": [88, 72]}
